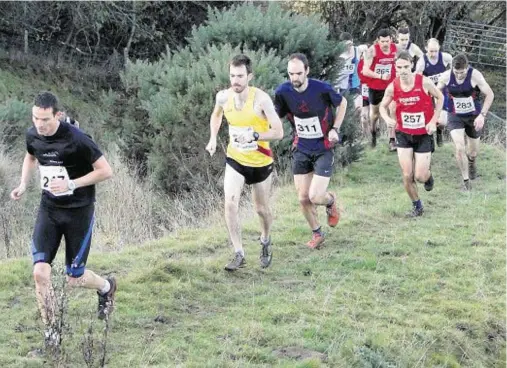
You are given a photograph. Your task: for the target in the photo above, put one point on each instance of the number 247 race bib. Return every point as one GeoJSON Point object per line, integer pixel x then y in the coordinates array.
{"type": "Point", "coordinates": [48, 173]}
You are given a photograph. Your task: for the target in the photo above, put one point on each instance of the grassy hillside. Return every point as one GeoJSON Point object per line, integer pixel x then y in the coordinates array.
{"type": "Point", "coordinates": [385, 291]}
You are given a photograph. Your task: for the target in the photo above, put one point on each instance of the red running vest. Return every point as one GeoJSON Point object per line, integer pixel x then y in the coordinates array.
{"type": "Point", "coordinates": [383, 64]}
{"type": "Point", "coordinates": [414, 109]}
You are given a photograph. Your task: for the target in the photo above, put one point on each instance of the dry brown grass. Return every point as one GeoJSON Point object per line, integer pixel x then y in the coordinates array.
{"type": "Point", "coordinates": [129, 211]}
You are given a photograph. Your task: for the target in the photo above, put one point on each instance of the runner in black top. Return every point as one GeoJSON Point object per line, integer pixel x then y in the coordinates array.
{"type": "Point", "coordinates": [70, 165]}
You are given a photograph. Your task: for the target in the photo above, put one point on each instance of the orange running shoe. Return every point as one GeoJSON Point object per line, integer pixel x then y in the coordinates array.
{"type": "Point", "coordinates": [317, 240]}
{"type": "Point", "coordinates": [333, 215]}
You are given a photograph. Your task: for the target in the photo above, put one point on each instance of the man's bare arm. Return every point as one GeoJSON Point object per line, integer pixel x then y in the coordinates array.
{"type": "Point", "coordinates": [433, 91]}
{"type": "Point", "coordinates": [444, 80]}
{"type": "Point", "coordinates": [368, 60]}
{"type": "Point", "coordinates": [479, 81]}
{"type": "Point", "coordinates": [276, 127]}
{"type": "Point", "coordinates": [419, 67]}
{"type": "Point", "coordinates": [384, 105]}
{"type": "Point", "coordinates": [446, 58]}
{"type": "Point", "coordinates": [216, 116]}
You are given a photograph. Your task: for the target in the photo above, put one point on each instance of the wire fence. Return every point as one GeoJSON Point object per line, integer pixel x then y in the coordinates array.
{"type": "Point", "coordinates": [483, 44]}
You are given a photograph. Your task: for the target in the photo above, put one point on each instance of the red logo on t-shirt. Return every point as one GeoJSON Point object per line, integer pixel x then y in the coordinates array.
{"type": "Point", "coordinates": [303, 107]}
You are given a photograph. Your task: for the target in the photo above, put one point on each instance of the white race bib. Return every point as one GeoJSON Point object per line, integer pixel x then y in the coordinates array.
{"type": "Point", "coordinates": [235, 132]}
{"type": "Point", "coordinates": [434, 78]}
{"type": "Point", "coordinates": [48, 173]}
{"type": "Point", "coordinates": [365, 91]}
{"type": "Point", "coordinates": [463, 105]}
{"type": "Point", "coordinates": [308, 128]}
{"type": "Point", "coordinates": [348, 68]}
{"type": "Point", "coordinates": [414, 120]}
{"type": "Point", "coordinates": [383, 69]}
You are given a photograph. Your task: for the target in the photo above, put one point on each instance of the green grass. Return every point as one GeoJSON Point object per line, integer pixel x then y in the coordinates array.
{"type": "Point", "coordinates": [385, 291]}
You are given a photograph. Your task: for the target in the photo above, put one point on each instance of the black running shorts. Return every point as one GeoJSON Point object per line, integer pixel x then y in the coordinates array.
{"type": "Point", "coordinates": [376, 95]}
{"type": "Point", "coordinates": [419, 143]}
{"type": "Point", "coordinates": [252, 175]}
{"type": "Point", "coordinates": [75, 225]}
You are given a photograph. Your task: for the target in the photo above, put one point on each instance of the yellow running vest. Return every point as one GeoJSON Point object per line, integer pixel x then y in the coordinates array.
{"type": "Point", "coordinates": [254, 154]}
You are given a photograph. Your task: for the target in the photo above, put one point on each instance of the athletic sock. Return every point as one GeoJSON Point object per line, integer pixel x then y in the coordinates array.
{"type": "Point", "coordinates": [417, 204]}
{"type": "Point", "coordinates": [106, 288]}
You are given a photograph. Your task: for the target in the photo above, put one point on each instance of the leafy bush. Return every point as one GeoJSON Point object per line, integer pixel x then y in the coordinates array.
{"type": "Point", "coordinates": [171, 100]}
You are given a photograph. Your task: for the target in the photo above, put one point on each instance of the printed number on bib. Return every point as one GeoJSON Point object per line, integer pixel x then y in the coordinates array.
{"type": "Point", "coordinates": [48, 173]}
{"type": "Point", "coordinates": [308, 128]}
{"type": "Point", "coordinates": [463, 105]}
{"type": "Point", "coordinates": [365, 90]}
{"type": "Point", "coordinates": [434, 78]}
{"type": "Point", "coordinates": [383, 69]}
{"type": "Point", "coordinates": [348, 68]}
{"type": "Point", "coordinates": [413, 120]}
{"type": "Point", "coordinates": [235, 132]}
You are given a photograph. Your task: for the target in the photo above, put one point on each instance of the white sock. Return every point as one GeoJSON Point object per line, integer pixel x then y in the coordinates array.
{"type": "Point", "coordinates": [106, 288]}
{"type": "Point", "coordinates": [241, 251]}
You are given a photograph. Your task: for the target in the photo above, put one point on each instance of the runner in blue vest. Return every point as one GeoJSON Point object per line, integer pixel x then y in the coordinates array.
{"type": "Point", "coordinates": [466, 115]}
{"type": "Point", "coordinates": [432, 65]}
{"type": "Point", "coordinates": [404, 43]}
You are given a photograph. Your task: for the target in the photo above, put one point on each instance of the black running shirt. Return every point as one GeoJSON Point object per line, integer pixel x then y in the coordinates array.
{"type": "Point", "coordinates": [68, 151]}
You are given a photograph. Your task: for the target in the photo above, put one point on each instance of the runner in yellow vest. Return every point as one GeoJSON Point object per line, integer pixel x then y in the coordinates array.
{"type": "Point", "coordinates": [253, 122]}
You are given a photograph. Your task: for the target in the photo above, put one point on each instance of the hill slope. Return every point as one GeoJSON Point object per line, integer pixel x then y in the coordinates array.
{"type": "Point", "coordinates": [385, 291]}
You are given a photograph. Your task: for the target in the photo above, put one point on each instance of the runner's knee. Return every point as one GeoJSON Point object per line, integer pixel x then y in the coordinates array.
{"type": "Point", "coordinates": [41, 275]}
{"type": "Point", "coordinates": [231, 205]}
{"type": "Point", "coordinates": [422, 176]}
{"type": "Point", "coordinates": [75, 280]}
{"type": "Point", "coordinates": [408, 176]}
{"type": "Point", "coordinates": [316, 197]}
{"type": "Point", "coordinates": [304, 200]}
{"type": "Point", "coordinates": [262, 210]}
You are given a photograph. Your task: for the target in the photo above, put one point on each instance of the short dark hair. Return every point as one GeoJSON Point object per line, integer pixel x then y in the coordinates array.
{"type": "Point", "coordinates": [384, 32]}
{"type": "Point", "coordinates": [301, 57]}
{"type": "Point", "coordinates": [345, 36]}
{"type": "Point", "coordinates": [460, 61]}
{"type": "Point", "coordinates": [46, 100]}
{"type": "Point", "coordinates": [404, 55]}
{"type": "Point", "coordinates": [242, 59]}
{"type": "Point", "coordinates": [403, 30]}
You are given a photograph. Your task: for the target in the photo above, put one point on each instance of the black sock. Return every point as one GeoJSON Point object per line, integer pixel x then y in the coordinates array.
{"type": "Point", "coordinates": [318, 230]}
{"type": "Point", "coordinates": [417, 204]}
{"type": "Point", "coordinates": [391, 140]}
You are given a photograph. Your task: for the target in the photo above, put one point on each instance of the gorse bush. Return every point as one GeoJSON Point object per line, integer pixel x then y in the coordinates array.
{"type": "Point", "coordinates": [178, 111]}
{"type": "Point", "coordinates": [172, 99]}
{"type": "Point", "coordinates": [274, 27]}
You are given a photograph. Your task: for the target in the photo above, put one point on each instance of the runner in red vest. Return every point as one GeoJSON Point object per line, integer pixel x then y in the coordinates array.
{"type": "Point", "coordinates": [379, 66]}
{"type": "Point", "coordinates": [416, 120]}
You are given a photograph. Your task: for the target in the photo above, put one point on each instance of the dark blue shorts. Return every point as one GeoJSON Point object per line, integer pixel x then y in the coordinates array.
{"type": "Point", "coordinates": [321, 163]}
